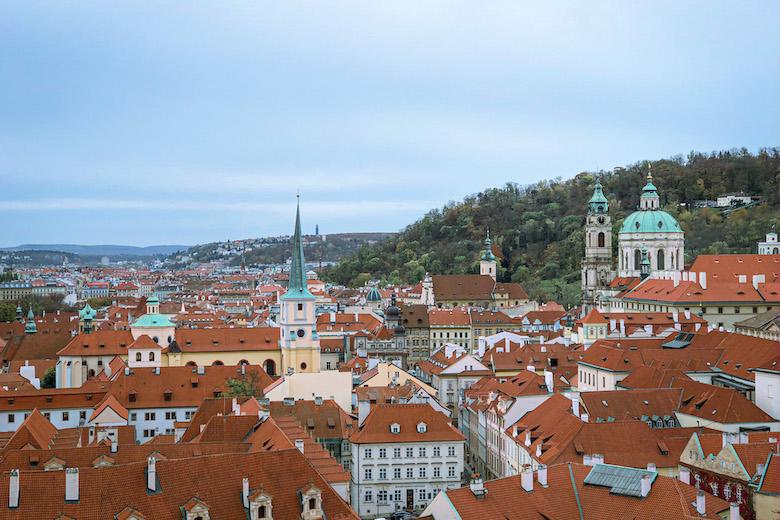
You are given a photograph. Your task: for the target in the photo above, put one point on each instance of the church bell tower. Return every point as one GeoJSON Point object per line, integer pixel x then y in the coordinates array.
{"type": "Point", "coordinates": [597, 264]}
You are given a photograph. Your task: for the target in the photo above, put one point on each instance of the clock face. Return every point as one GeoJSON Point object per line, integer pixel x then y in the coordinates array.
{"type": "Point", "coordinates": [601, 220]}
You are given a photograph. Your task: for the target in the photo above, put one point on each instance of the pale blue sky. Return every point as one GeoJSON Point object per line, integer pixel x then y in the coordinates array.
{"type": "Point", "coordinates": [184, 122]}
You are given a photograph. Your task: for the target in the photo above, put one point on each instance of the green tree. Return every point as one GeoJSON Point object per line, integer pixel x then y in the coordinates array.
{"type": "Point", "coordinates": [49, 378]}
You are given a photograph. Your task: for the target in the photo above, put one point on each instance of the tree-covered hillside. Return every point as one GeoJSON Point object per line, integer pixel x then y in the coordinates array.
{"type": "Point", "coordinates": [539, 228]}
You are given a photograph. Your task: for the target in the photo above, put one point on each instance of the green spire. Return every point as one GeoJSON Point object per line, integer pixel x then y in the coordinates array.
{"type": "Point", "coordinates": [30, 328]}
{"type": "Point", "coordinates": [297, 286]}
{"type": "Point", "coordinates": [487, 254]}
{"type": "Point", "coordinates": [598, 202]}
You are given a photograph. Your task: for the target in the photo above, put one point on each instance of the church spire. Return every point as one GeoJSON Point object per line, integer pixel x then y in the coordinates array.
{"type": "Point", "coordinates": [297, 286]}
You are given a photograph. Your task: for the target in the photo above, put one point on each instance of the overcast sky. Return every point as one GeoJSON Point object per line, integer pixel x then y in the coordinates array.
{"type": "Point", "coordinates": [184, 122]}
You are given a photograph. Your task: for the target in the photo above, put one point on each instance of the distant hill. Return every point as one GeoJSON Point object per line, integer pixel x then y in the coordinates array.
{"type": "Point", "coordinates": [540, 228]}
{"type": "Point", "coordinates": [101, 250]}
{"type": "Point", "coordinates": [276, 250]}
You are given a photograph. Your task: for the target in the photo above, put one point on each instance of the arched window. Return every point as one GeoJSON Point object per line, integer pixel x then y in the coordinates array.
{"type": "Point", "coordinates": [637, 258]}
{"type": "Point", "coordinates": [243, 362]}
{"type": "Point", "coordinates": [312, 504]}
{"type": "Point", "coordinates": [138, 356]}
{"type": "Point", "coordinates": [261, 512]}
{"type": "Point", "coordinates": [269, 365]}
{"type": "Point", "coordinates": [218, 363]}
{"type": "Point", "coordinates": [660, 263]}
{"type": "Point", "coordinates": [151, 356]}
{"type": "Point", "coordinates": [303, 366]}
{"type": "Point", "coordinates": [156, 339]}
{"type": "Point", "coordinates": [191, 364]}
{"type": "Point", "coordinates": [601, 239]}
{"type": "Point", "coordinates": [776, 251]}
{"type": "Point", "coordinates": [91, 372]}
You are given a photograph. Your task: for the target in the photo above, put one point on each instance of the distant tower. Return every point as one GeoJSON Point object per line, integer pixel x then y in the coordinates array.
{"type": "Point", "coordinates": [30, 327]}
{"type": "Point", "coordinates": [770, 246]}
{"type": "Point", "coordinates": [299, 342]}
{"type": "Point", "coordinates": [19, 313]}
{"type": "Point", "coordinates": [317, 230]}
{"type": "Point", "coordinates": [393, 321]}
{"type": "Point", "coordinates": [427, 291]}
{"type": "Point", "coordinates": [597, 264]}
{"type": "Point", "coordinates": [487, 264]}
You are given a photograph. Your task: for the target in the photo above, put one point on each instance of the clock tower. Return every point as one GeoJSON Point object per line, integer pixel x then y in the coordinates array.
{"type": "Point", "coordinates": [597, 264]}
{"type": "Point", "coordinates": [298, 339]}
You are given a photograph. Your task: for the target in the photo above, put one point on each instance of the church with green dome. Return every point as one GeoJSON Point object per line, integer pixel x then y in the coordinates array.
{"type": "Point", "coordinates": [649, 240]}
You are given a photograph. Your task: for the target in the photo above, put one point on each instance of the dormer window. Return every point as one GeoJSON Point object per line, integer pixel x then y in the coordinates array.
{"type": "Point", "coordinates": [395, 428]}
{"type": "Point", "coordinates": [260, 507]}
{"type": "Point", "coordinates": [311, 503]}
{"type": "Point", "coordinates": [422, 427]}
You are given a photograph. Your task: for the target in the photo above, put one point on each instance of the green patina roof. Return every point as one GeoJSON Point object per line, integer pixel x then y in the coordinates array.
{"type": "Point", "coordinates": [373, 295]}
{"type": "Point", "coordinates": [650, 221]}
{"type": "Point", "coordinates": [87, 313]}
{"type": "Point", "coordinates": [649, 190]}
{"type": "Point", "coordinates": [153, 321]}
{"type": "Point", "coordinates": [598, 202]}
{"type": "Point", "coordinates": [152, 299]}
{"type": "Point", "coordinates": [297, 287]}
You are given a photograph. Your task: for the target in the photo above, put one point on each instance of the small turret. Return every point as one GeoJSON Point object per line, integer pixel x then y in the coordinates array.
{"type": "Point", "coordinates": [598, 202]}
{"type": "Point", "coordinates": [644, 271]}
{"type": "Point", "coordinates": [19, 313]}
{"type": "Point", "coordinates": [30, 327]}
{"type": "Point", "coordinates": [487, 264]}
{"type": "Point", "coordinates": [649, 199]}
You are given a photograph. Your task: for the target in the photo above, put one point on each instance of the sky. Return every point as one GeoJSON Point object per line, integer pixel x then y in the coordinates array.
{"type": "Point", "coordinates": [157, 122]}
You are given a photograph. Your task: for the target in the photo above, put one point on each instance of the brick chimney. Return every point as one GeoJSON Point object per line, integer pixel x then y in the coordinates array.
{"type": "Point", "coordinates": [151, 474]}
{"type": "Point", "coordinates": [13, 489]}
{"type": "Point", "coordinates": [701, 506]}
{"type": "Point", "coordinates": [685, 475]}
{"type": "Point", "coordinates": [541, 475]}
{"type": "Point", "coordinates": [645, 485]}
{"type": "Point", "coordinates": [245, 492]}
{"type": "Point", "coordinates": [71, 484]}
{"type": "Point", "coordinates": [575, 406]}
{"type": "Point", "coordinates": [527, 478]}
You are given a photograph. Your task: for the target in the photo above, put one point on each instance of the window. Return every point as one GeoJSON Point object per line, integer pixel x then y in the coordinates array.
{"type": "Point", "coordinates": [188, 415]}
{"type": "Point", "coordinates": [422, 472]}
{"type": "Point", "coordinates": [396, 473]}
{"type": "Point", "coordinates": [410, 452]}
{"type": "Point", "coordinates": [422, 451]}
{"type": "Point", "coordinates": [150, 416]}
{"type": "Point", "coordinates": [382, 453]}
{"type": "Point", "coordinates": [65, 416]}
{"type": "Point", "coordinates": [11, 418]}
{"type": "Point", "coordinates": [381, 496]}
{"type": "Point", "coordinates": [82, 415]}
{"type": "Point", "coordinates": [720, 310]}
{"type": "Point", "coordinates": [170, 416]}
{"type": "Point", "coordinates": [421, 493]}
{"type": "Point", "coordinates": [451, 471]}
{"type": "Point", "coordinates": [300, 306]}
{"type": "Point", "coordinates": [397, 495]}
{"type": "Point", "coordinates": [138, 356]}
{"type": "Point", "coordinates": [450, 451]}
{"type": "Point", "coordinates": [368, 454]}
{"type": "Point", "coordinates": [436, 472]}
{"type": "Point", "coordinates": [151, 356]}
{"type": "Point", "coordinates": [409, 472]}
{"type": "Point", "coordinates": [601, 239]}
{"type": "Point", "coordinates": [133, 416]}
{"type": "Point", "coordinates": [436, 451]}
{"type": "Point", "coordinates": [382, 473]}
{"type": "Point", "coordinates": [736, 310]}
{"type": "Point", "coordinates": [149, 433]}
{"type": "Point", "coordinates": [368, 496]}
{"type": "Point", "coordinates": [660, 263]}
{"type": "Point", "coordinates": [397, 453]}
{"type": "Point", "coordinates": [368, 474]}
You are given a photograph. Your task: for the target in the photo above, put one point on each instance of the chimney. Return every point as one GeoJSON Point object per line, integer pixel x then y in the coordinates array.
{"type": "Point", "coordinates": [151, 474]}
{"type": "Point", "coordinates": [527, 478]}
{"type": "Point", "coordinates": [127, 371]}
{"type": "Point", "coordinates": [575, 406]}
{"type": "Point", "coordinates": [114, 446]}
{"type": "Point", "coordinates": [701, 506]}
{"type": "Point", "coordinates": [477, 486]}
{"type": "Point", "coordinates": [685, 475]}
{"type": "Point", "coordinates": [539, 449]}
{"type": "Point", "coordinates": [201, 370]}
{"type": "Point", "coordinates": [645, 485]}
{"type": "Point", "coordinates": [587, 460]}
{"type": "Point", "coordinates": [759, 469]}
{"type": "Point", "coordinates": [528, 438]}
{"type": "Point", "coordinates": [734, 511]}
{"type": "Point", "coordinates": [71, 484]}
{"type": "Point", "coordinates": [318, 400]}
{"type": "Point", "coordinates": [585, 417]}
{"type": "Point", "coordinates": [531, 368]}
{"type": "Point", "coordinates": [245, 492]}
{"type": "Point", "coordinates": [598, 458]}
{"type": "Point", "coordinates": [13, 489]}
{"type": "Point", "coordinates": [299, 444]}
{"type": "Point", "coordinates": [541, 474]}
{"type": "Point", "coordinates": [514, 431]}
{"type": "Point", "coordinates": [743, 437]}
{"type": "Point", "coordinates": [703, 280]}
{"type": "Point", "coordinates": [651, 466]}
{"type": "Point", "coordinates": [548, 380]}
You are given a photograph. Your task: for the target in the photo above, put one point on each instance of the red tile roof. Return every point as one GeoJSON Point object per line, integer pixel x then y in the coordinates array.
{"type": "Point", "coordinates": [376, 427]}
